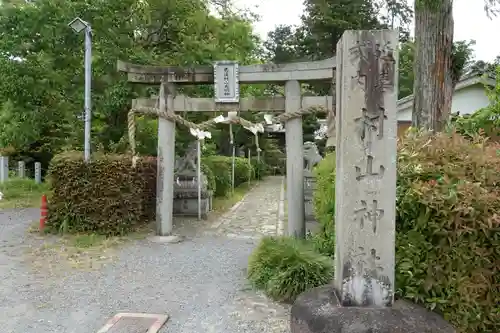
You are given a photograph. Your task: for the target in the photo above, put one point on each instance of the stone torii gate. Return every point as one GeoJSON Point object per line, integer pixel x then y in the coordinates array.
{"type": "Point", "coordinates": [226, 77]}
{"type": "Point", "coordinates": [361, 299]}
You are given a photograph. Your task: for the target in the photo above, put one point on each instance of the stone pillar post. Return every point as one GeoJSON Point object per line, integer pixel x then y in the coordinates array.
{"type": "Point", "coordinates": [4, 168]}
{"type": "Point", "coordinates": [21, 169]}
{"type": "Point", "coordinates": [294, 162]}
{"type": "Point", "coordinates": [166, 163]}
{"type": "Point", "coordinates": [361, 299]}
{"type": "Point", "coordinates": [38, 172]}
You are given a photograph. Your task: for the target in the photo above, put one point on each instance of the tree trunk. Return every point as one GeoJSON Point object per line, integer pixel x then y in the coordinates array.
{"type": "Point", "coordinates": [433, 88]}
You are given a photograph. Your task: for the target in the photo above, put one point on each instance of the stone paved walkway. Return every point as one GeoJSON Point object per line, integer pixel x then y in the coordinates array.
{"type": "Point", "coordinates": [200, 283]}
{"type": "Point", "coordinates": [256, 215]}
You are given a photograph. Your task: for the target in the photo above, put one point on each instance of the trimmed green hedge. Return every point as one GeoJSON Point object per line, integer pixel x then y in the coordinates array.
{"type": "Point", "coordinates": [109, 196]}
{"type": "Point", "coordinates": [448, 229]}
{"type": "Point", "coordinates": [106, 196]}
{"type": "Point", "coordinates": [221, 167]}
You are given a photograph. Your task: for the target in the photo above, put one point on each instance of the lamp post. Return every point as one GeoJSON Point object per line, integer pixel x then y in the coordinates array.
{"type": "Point", "coordinates": [78, 25]}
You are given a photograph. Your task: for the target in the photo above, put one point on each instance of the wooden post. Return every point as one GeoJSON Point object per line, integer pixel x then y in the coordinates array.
{"type": "Point", "coordinates": [365, 206]}
{"type": "Point", "coordinates": [294, 162]}
{"type": "Point", "coordinates": [166, 163]}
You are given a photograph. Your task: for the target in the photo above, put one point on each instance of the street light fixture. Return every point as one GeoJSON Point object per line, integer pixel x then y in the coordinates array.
{"type": "Point", "coordinates": [78, 25]}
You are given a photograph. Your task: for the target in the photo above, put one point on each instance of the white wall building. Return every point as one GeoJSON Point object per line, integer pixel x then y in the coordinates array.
{"type": "Point", "coordinates": [469, 96]}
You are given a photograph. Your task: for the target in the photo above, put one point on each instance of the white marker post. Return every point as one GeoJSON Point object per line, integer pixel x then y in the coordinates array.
{"type": "Point", "coordinates": [227, 91]}
{"type": "Point", "coordinates": [232, 116]}
{"type": "Point", "coordinates": [199, 135]}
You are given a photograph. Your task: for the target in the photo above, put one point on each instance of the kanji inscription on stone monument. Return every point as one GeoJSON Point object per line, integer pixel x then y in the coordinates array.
{"type": "Point", "coordinates": [369, 170]}
{"type": "Point", "coordinates": [366, 165]}
{"type": "Point", "coordinates": [375, 74]}
{"type": "Point", "coordinates": [371, 214]}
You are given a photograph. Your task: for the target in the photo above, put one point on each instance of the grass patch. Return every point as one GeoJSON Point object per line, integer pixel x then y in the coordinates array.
{"type": "Point", "coordinates": [22, 193]}
{"type": "Point", "coordinates": [284, 267]}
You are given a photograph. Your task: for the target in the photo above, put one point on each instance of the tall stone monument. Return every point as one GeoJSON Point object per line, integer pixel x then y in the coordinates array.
{"type": "Point", "coordinates": [361, 299]}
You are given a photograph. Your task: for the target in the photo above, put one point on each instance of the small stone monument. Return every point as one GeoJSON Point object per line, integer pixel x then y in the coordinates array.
{"type": "Point", "coordinates": [361, 299]}
{"type": "Point", "coordinates": [311, 158]}
{"type": "Point", "coordinates": [38, 172]}
{"type": "Point", "coordinates": [4, 168]}
{"type": "Point", "coordinates": [186, 186]}
{"type": "Point", "coordinates": [21, 169]}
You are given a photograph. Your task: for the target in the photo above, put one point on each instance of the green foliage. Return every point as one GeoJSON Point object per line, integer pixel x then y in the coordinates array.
{"type": "Point", "coordinates": [22, 193]}
{"type": "Point", "coordinates": [405, 69]}
{"type": "Point", "coordinates": [285, 267]}
{"type": "Point", "coordinates": [275, 158]}
{"type": "Point", "coordinates": [16, 188]}
{"type": "Point", "coordinates": [448, 247]}
{"type": "Point", "coordinates": [260, 169]}
{"type": "Point", "coordinates": [447, 243]}
{"type": "Point", "coordinates": [462, 55]}
{"type": "Point", "coordinates": [221, 167]}
{"type": "Point", "coordinates": [324, 206]}
{"type": "Point", "coordinates": [107, 196]}
{"type": "Point", "coordinates": [205, 169]}
{"type": "Point", "coordinates": [486, 120]}
{"type": "Point", "coordinates": [324, 195]}
{"type": "Point", "coordinates": [243, 170]}
{"type": "Point", "coordinates": [42, 96]}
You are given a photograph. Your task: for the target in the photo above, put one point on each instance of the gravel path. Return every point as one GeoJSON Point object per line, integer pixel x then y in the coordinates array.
{"type": "Point", "coordinates": [200, 283]}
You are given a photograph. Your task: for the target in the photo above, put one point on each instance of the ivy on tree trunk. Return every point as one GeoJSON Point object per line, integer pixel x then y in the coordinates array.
{"type": "Point", "coordinates": [433, 85]}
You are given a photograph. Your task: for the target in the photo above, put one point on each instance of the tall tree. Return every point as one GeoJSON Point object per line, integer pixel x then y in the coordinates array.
{"type": "Point", "coordinates": [433, 53]}
{"type": "Point", "coordinates": [436, 64]}
{"type": "Point", "coordinates": [41, 65]}
{"type": "Point", "coordinates": [462, 56]}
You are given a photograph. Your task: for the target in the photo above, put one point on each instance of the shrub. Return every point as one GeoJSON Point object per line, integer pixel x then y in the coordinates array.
{"type": "Point", "coordinates": [275, 158]}
{"type": "Point", "coordinates": [221, 168]}
{"type": "Point", "coordinates": [259, 168]}
{"type": "Point", "coordinates": [324, 206]}
{"type": "Point", "coordinates": [285, 267]}
{"type": "Point", "coordinates": [324, 196]}
{"type": "Point", "coordinates": [448, 244]}
{"type": "Point", "coordinates": [447, 239]}
{"type": "Point", "coordinates": [106, 196]}
{"type": "Point", "coordinates": [243, 170]}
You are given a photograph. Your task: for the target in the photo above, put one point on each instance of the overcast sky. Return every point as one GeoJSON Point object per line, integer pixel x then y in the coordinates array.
{"type": "Point", "coordinates": [470, 21]}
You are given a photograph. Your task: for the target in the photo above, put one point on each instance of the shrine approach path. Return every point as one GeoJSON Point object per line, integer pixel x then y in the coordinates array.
{"type": "Point", "coordinates": [200, 282]}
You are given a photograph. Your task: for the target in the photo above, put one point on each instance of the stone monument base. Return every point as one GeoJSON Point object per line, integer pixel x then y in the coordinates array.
{"type": "Point", "coordinates": [319, 311]}
{"type": "Point", "coordinates": [189, 206]}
